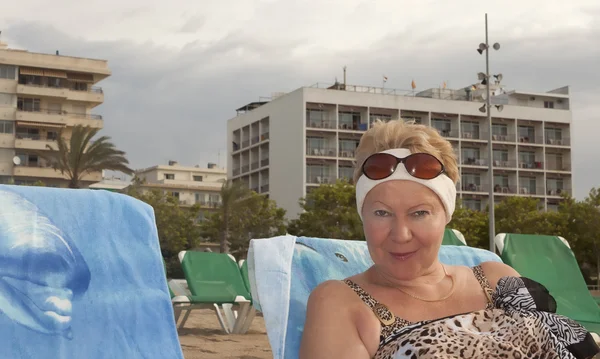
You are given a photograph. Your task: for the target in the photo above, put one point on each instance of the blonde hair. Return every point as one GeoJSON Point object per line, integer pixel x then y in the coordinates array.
{"type": "Point", "coordinates": [384, 136]}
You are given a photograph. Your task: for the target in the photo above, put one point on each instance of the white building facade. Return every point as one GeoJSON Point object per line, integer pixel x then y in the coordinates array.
{"type": "Point", "coordinates": [284, 147]}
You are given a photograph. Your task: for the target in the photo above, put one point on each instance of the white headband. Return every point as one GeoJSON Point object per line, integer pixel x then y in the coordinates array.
{"type": "Point", "coordinates": [442, 185]}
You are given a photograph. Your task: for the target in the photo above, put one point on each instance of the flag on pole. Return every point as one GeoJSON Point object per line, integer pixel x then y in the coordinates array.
{"type": "Point", "coordinates": [385, 78]}
{"type": "Point", "coordinates": [413, 84]}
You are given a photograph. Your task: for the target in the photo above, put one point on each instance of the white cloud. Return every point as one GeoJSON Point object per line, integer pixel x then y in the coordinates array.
{"type": "Point", "coordinates": [181, 68]}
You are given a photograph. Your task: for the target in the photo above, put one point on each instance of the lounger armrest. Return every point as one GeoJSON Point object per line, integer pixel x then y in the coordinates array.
{"type": "Point", "coordinates": [240, 299]}
{"type": "Point", "coordinates": [180, 299]}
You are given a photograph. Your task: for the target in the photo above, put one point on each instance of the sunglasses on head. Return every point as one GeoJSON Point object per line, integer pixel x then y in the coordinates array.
{"type": "Point", "coordinates": [419, 165]}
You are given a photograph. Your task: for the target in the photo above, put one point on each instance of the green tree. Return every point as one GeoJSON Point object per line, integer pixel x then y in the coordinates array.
{"type": "Point", "coordinates": [472, 224]}
{"type": "Point", "coordinates": [80, 155]}
{"type": "Point", "coordinates": [253, 216]}
{"type": "Point", "coordinates": [176, 225]}
{"type": "Point", "coordinates": [329, 212]}
{"type": "Point", "coordinates": [231, 194]}
{"type": "Point", "coordinates": [522, 215]}
{"type": "Point", "coordinates": [583, 231]}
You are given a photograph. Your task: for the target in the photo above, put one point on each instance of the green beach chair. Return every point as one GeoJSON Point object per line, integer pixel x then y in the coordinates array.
{"type": "Point", "coordinates": [215, 282]}
{"type": "Point", "coordinates": [550, 261]}
{"type": "Point", "coordinates": [453, 237]}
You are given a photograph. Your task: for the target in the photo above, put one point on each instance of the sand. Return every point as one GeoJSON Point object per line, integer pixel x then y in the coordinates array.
{"type": "Point", "coordinates": [203, 338]}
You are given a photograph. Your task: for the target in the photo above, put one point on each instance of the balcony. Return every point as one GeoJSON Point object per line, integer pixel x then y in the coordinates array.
{"type": "Point", "coordinates": [93, 94]}
{"type": "Point", "coordinates": [320, 151]}
{"type": "Point", "coordinates": [448, 133]}
{"type": "Point", "coordinates": [558, 166]}
{"type": "Point", "coordinates": [536, 165]}
{"type": "Point", "coordinates": [346, 154]}
{"type": "Point", "coordinates": [236, 172]}
{"type": "Point", "coordinates": [536, 140]}
{"type": "Point", "coordinates": [505, 164]}
{"type": "Point", "coordinates": [33, 142]}
{"type": "Point", "coordinates": [557, 192]}
{"type": "Point", "coordinates": [472, 187]}
{"type": "Point", "coordinates": [42, 91]}
{"type": "Point", "coordinates": [264, 162]}
{"type": "Point", "coordinates": [509, 137]}
{"type": "Point", "coordinates": [245, 143]}
{"type": "Point", "coordinates": [320, 179]}
{"type": "Point", "coordinates": [264, 136]}
{"type": "Point", "coordinates": [500, 189]}
{"type": "Point", "coordinates": [355, 126]}
{"type": "Point", "coordinates": [470, 161]}
{"type": "Point", "coordinates": [59, 118]}
{"type": "Point", "coordinates": [254, 165]}
{"type": "Point", "coordinates": [264, 188]}
{"type": "Point", "coordinates": [254, 189]}
{"type": "Point", "coordinates": [475, 135]}
{"type": "Point", "coordinates": [532, 191]}
{"type": "Point", "coordinates": [326, 124]}
{"type": "Point", "coordinates": [245, 168]}
{"type": "Point", "coordinates": [255, 139]}
{"type": "Point", "coordinates": [43, 171]}
{"type": "Point", "coordinates": [564, 141]}
{"type": "Point", "coordinates": [208, 204]}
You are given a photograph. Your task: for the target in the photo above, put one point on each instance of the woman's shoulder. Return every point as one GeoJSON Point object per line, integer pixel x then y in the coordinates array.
{"type": "Point", "coordinates": [494, 271]}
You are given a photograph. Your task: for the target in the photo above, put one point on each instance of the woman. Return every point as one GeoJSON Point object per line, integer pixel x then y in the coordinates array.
{"type": "Point", "coordinates": [409, 304]}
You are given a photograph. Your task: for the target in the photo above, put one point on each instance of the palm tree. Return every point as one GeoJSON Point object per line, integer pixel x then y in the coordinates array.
{"type": "Point", "coordinates": [231, 193]}
{"type": "Point", "coordinates": [82, 155]}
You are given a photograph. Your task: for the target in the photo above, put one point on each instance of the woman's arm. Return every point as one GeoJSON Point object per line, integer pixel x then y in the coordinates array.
{"type": "Point", "coordinates": [496, 270]}
{"type": "Point", "coordinates": [330, 330]}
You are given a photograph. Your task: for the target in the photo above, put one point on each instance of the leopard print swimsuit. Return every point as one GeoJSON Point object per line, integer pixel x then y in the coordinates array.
{"type": "Point", "coordinates": [519, 321]}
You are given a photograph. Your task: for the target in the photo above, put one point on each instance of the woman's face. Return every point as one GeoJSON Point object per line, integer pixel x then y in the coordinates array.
{"type": "Point", "coordinates": [404, 224]}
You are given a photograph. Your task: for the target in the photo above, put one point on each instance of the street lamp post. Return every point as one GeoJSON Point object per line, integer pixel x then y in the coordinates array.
{"type": "Point", "coordinates": [488, 106]}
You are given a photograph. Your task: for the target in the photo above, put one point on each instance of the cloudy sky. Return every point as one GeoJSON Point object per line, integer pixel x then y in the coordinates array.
{"type": "Point", "coordinates": [181, 68]}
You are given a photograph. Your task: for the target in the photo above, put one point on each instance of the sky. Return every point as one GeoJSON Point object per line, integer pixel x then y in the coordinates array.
{"type": "Point", "coordinates": [181, 68]}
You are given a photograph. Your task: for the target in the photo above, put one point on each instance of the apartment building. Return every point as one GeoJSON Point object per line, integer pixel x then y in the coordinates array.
{"type": "Point", "coordinates": [41, 96]}
{"type": "Point", "coordinates": [191, 185]}
{"type": "Point", "coordinates": [296, 141]}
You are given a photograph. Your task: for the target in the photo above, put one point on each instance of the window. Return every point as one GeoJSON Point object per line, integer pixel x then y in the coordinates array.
{"type": "Point", "coordinates": [527, 157]}
{"type": "Point", "coordinates": [472, 204]}
{"type": "Point", "coordinates": [443, 126]}
{"type": "Point", "coordinates": [470, 155]}
{"type": "Point", "coordinates": [555, 161]}
{"type": "Point", "coordinates": [317, 173]}
{"type": "Point", "coordinates": [500, 155]}
{"type": "Point", "coordinates": [374, 117]}
{"type": "Point", "coordinates": [175, 194]}
{"type": "Point", "coordinates": [548, 104]}
{"type": "Point", "coordinates": [7, 72]}
{"type": "Point", "coordinates": [526, 133]}
{"type": "Point", "coordinates": [553, 135]}
{"type": "Point", "coordinates": [349, 120]}
{"type": "Point", "coordinates": [7, 127]}
{"type": "Point", "coordinates": [529, 184]}
{"type": "Point", "coordinates": [500, 182]}
{"type": "Point", "coordinates": [28, 104]}
{"type": "Point", "coordinates": [470, 129]}
{"type": "Point", "coordinates": [52, 135]}
{"type": "Point", "coordinates": [346, 173]}
{"type": "Point", "coordinates": [198, 178]}
{"type": "Point", "coordinates": [499, 130]}
{"type": "Point", "coordinates": [315, 143]}
{"type": "Point", "coordinates": [315, 116]}
{"type": "Point", "coordinates": [555, 184]}
{"type": "Point", "coordinates": [170, 176]}
{"type": "Point", "coordinates": [214, 199]}
{"type": "Point", "coordinates": [471, 182]}
{"type": "Point", "coordinates": [348, 145]}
